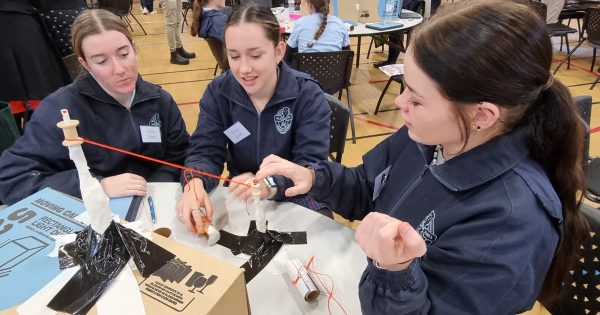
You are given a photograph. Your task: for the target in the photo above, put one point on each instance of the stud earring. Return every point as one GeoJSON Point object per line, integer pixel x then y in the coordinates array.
{"type": "Point", "coordinates": [473, 127]}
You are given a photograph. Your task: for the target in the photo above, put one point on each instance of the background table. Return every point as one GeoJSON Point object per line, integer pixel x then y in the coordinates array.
{"type": "Point", "coordinates": [360, 29]}
{"type": "Point", "coordinates": [333, 245]}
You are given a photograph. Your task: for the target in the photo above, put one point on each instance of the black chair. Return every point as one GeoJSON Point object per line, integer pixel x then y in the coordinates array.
{"type": "Point", "coordinates": [332, 70]}
{"type": "Point", "coordinates": [591, 26]}
{"type": "Point", "coordinates": [584, 103]}
{"type": "Point", "coordinates": [582, 287]}
{"type": "Point", "coordinates": [592, 180]}
{"type": "Point", "coordinates": [216, 47]}
{"type": "Point", "coordinates": [396, 78]}
{"type": "Point", "coordinates": [338, 127]}
{"type": "Point", "coordinates": [9, 132]}
{"type": "Point", "coordinates": [554, 29]}
{"type": "Point", "coordinates": [73, 66]}
{"type": "Point", "coordinates": [186, 6]}
{"type": "Point", "coordinates": [591, 168]}
{"type": "Point", "coordinates": [122, 9]}
{"type": "Point", "coordinates": [569, 15]}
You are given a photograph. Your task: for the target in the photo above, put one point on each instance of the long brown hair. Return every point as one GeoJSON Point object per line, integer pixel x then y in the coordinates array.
{"type": "Point", "coordinates": [321, 6]}
{"type": "Point", "coordinates": [468, 51]}
{"type": "Point", "coordinates": [253, 13]}
{"type": "Point", "coordinates": [96, 21]}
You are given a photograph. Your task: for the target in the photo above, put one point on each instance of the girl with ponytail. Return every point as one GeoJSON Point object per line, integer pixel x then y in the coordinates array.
{"type": "Point", "coordinates": [209, 18]}
{"type": "Point", "coordinates": [318, 31]}
{"type": "Point", "coordinates": [473, 206]}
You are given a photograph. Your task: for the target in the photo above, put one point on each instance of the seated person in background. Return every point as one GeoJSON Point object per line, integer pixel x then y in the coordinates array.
{"type": "Point", "coordinates": [473, 206]}
{"type": "Point", "coordinates": [259, 107]}
{"type": "Point", "coordinates": [114, 106]}
{"type": "Point", "coordinates": [317, 32]}
{"type": "Point", "coordinates": [553, 10]}
{"type": "Point", "coordinates": [209, 18]}
{"type": "Point", "coordinates": [397, 38]}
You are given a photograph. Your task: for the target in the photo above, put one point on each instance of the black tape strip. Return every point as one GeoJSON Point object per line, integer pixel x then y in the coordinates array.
{"type": "Point", "coordinates": [231, 241]}
{"type": "Point", "coordinates": [84, 248]}
{"type": "Point", "coordinates": [261, 247]}
{"type": "Point", "coordinates": [87, 285]}
{"type": "Point", "coordinates": [102, 257]}
{"type": "Point", "coordinates": [147, 256]}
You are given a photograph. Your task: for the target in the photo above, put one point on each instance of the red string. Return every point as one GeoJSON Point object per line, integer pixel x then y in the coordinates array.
{"type": "Point", "coordinates": [191, 170]}
{"type": "Point", "coordinates": [329, 292]}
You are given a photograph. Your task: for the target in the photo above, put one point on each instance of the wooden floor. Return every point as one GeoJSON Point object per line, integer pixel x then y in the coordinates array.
{"type": "Point", "coordinates": [187, 84]}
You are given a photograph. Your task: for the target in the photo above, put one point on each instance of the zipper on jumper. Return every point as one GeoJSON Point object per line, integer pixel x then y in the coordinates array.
{"type": "Point", "coordinates": [411, 187]}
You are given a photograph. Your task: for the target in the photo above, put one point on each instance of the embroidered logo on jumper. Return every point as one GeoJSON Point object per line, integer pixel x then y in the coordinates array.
{"type": "Point", "coordinates": [426, 228]}
{"type": "Point", "coordinates": [283, 120]}
{"type": "Point", "coordinates": [155, 121]}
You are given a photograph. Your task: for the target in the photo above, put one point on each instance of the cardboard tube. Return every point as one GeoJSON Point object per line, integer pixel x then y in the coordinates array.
{"type": "Point", "coordinates": [303, 283]}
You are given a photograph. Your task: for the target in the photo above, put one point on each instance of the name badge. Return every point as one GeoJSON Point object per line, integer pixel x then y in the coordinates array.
{"type": "Point", "coordinates": [380, 181]}
{"type": "Point", "coordinates": [150, 134]}
{"type": "Point", "coordinates": [237, 132]}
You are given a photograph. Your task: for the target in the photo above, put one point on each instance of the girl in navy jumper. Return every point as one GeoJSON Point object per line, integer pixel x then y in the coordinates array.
{"type": "Point", "coordinates": [473, 206]}
{"type": "Point", "coordinates": [258, 107]}
{"type": "Point", "coordinates": [209, 18]}
{"type": "Point", "coordinates": [114, 106]}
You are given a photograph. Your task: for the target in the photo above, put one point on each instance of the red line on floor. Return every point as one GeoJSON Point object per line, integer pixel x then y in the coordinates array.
{"type": "Point", "coordinates": [376, 123]}
{"type": "Point", "coordinates": [378, 81]}
{"type": "Point", "coordinates": [595, 129]}
{"type": "Point", "coordinates": [187, 103]}
{"type": "Point", "coordinates": [576, 66]}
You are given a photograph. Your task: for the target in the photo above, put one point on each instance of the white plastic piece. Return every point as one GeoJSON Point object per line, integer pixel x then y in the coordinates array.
{"type": "Point", "coordinates": [213, 235]}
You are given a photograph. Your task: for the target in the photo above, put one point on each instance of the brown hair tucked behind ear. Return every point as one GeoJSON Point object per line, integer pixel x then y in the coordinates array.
{"type": "Point", "coordinates": [252, 13]}
{"type": "Point", "coordinates": [509, 33]}
{"type": "Point", "coordinates": [321, 6]}
{"type": "Point", "coordinates": [95, 21]}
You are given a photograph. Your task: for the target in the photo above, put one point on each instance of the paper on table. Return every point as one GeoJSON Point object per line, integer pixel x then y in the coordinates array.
{"type": "Point", "coordinates": [392, 70]}
{"type": "Point", "coordinates": [123, 296]}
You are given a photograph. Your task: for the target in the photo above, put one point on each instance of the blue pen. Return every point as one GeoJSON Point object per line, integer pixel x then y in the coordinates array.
{"type": "Point", "coordinates": [152, 212]}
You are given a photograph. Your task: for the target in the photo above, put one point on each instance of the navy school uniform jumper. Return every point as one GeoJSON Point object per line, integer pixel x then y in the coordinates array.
{"type": "Point", "coordinates": [293, 125]}
{"type": "Point", "coordinates": [213, 23]}
{"type": "Point", "coordinates": [38, 159]}
{"type": "Point", "coordinates": [490, 218]}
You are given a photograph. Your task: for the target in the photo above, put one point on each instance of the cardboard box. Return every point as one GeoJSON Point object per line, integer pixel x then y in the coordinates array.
{"type": "Point", "coordinates": [347, 10]}
{"type": "Point", "coordinates": [168, 289]}
{"type": "Point", "coordinates": [218, 287]}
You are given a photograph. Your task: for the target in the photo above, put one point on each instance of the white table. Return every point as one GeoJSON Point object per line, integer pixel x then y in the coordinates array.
{"type": "Point", "coordinates": [333, 245]}
{"type": "Point", "coordinates": [360, 29]}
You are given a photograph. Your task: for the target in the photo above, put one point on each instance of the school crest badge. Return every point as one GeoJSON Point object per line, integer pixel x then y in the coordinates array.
{"type": "Point", "coordinates": [155, 121]}
{"type": "Point", "coordinates": [283, 120]}
{"type": "Point", "coordinates": [427, 229]}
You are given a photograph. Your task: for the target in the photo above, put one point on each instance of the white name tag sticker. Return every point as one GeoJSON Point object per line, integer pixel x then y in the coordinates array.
{"type": "Point", "coordinates": [237, 132]}
{"type": "Point", "coordinates": [150, 134]}
{"type": "Point", "coordinates": [380, 181]}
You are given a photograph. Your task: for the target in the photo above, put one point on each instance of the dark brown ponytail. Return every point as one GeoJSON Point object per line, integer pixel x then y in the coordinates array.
{"type": "Point", "coordinates": [321, 6]}
{"type": "Point", "coordinates": [509, 33]}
